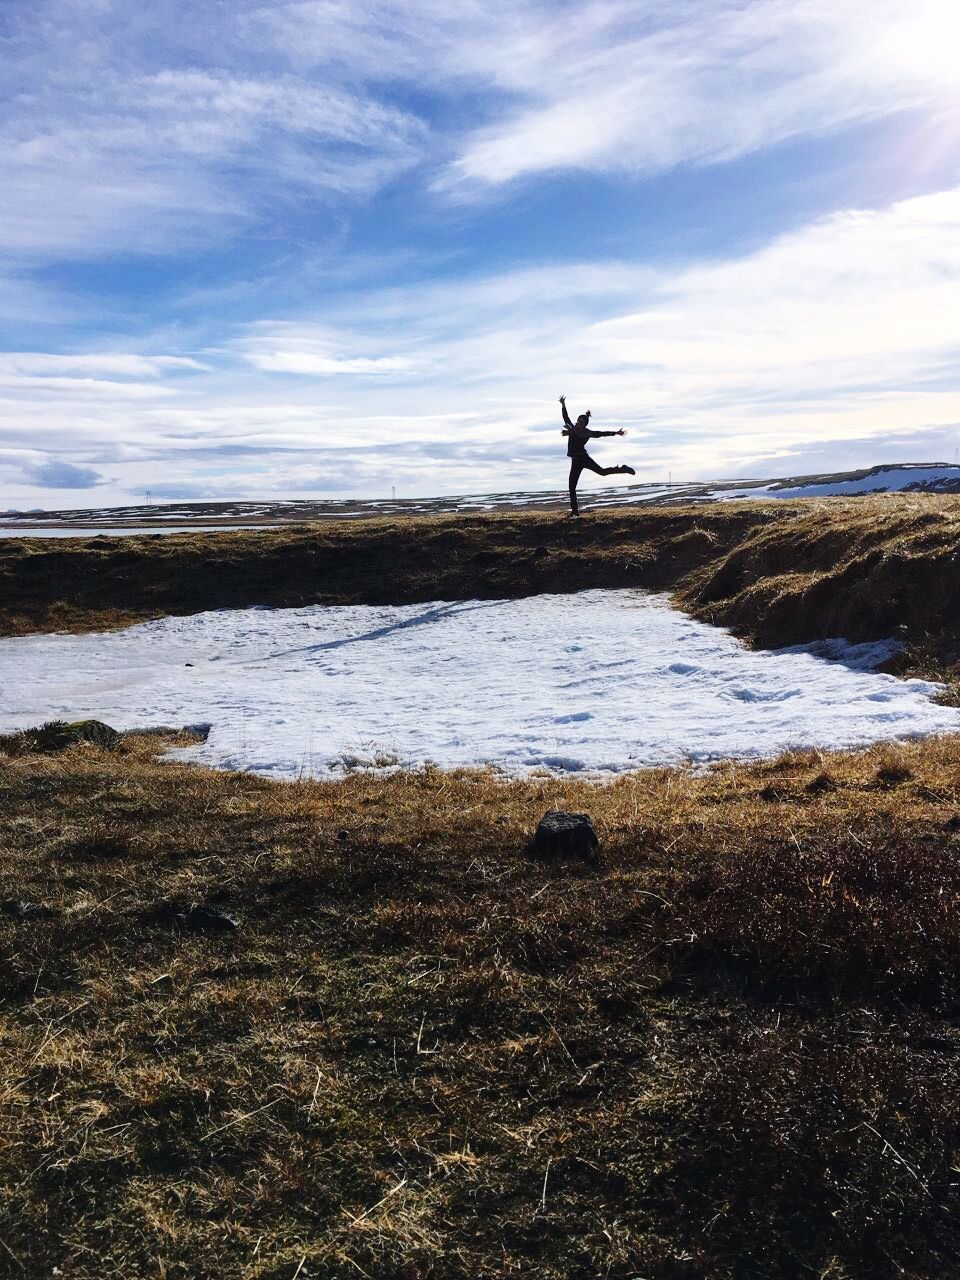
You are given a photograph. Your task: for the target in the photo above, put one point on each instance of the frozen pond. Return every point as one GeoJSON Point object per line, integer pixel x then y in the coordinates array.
{"type": "Point", "coordinates": [600, 681]}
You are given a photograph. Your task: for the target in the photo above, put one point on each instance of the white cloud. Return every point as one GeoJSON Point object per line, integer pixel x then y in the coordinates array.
{"type": "Point", "coordinates": [113, 144]}
{"type": "Point", "coordinates": [634, 85]}
{"type": "Point", "coordinates": [120, 364]}
{"type": "Point", "coordinates": [95, 388]}
{"type": "Point", "coordinates": [616, 89]}
{"type": "Point", "coordinates": [845, 330]}
{"type": "Point", "coordinates": [134, 128]}
{"type": "Point", "coordinates": [312, 350]}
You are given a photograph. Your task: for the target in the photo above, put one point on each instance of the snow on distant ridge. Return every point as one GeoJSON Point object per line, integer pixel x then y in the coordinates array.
{"type": "Point", "coordinates": [904, 477]}
{"type": "Point", "coordinates": [600, 681]}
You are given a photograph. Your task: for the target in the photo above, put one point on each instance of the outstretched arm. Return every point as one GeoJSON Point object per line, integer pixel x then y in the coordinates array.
{"type": "Point", "coordinates": [607, 433]}
{"type": "Point", "coordinates": [566, 417]}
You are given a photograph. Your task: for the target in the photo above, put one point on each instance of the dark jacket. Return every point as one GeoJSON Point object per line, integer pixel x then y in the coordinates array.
{"type": "Point", "coordinates": [577, 437]}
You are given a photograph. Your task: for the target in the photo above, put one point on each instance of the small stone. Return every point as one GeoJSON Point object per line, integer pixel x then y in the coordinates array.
{"type": "Point", "coordinates": [208, 920]}
{"type": "Point", "coordinates": [343, 836]}
{"type": "Point", "coordinates": [952, 824]}
{"type": "Point", "coordinates": [199, 919]}
{"type": "Point", "coordinates": [17, 909]}
{"type": "Point", "coordinates": [565, 835]}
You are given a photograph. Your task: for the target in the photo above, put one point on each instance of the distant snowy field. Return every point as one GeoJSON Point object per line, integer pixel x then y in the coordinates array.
{"type": "Point", "coordinates": [601, 681]}
{"type": "Point", "coordinates": [186, 517]}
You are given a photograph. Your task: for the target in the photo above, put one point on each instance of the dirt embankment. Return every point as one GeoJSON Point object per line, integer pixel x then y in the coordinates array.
{"type": "Point", "coordinates": [862, 569]}
{"type": "Point", "coordinates": [776, 572]}
{"type": "Point", "coordinates": [102, 582]}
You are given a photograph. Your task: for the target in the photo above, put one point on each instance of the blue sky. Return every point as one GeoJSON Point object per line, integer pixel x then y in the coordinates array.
{"type": "Point", "coordinates": [327, 247]}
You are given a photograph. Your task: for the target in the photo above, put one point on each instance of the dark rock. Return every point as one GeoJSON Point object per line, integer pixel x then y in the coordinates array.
{"type": "Point", "coordinates": [565, 835]}
{"type": "Point", "coordinates": [952, 824]}
{"type": "Point", "coordinates": [208, 920]}
{"type": "Point", "coordinates": [95, 731]}
{"type": "Point", "coordinates": [200, 919]}
{"type": "Point", "coordinates": [17, 909]}
{"type": "Point", "coordinates": [343, 836]}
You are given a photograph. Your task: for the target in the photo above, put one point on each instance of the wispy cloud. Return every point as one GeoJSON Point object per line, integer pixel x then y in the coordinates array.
{"type": "Point", "coordinates": [285, 348]}
{"type": "Point", "coordinates": [123, 144]}
{"type": "Point", "coordinates": [252, 177]}
{"type": "Point", "coordinates": [147, 128]}
{"type": "Point", "coordinates": [624, 88]}
{"type": "Point", "coordinates": [119, 364]}
{"type": "Point", "coordinates": [634, 86]}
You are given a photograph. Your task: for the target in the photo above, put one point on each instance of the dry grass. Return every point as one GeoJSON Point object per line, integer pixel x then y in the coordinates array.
{"type": "Point", "coordinates": [862, 568]}
{"type": "Point", "coordinates": [732, 1053]}
{"type": "Point", "coordinates": [95, 583]}
{"type": "Point", "coordinates": [777, 572]}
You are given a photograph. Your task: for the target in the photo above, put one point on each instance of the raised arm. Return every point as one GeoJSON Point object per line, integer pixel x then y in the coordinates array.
{"type": "Point", "coordinates": [566, 417]}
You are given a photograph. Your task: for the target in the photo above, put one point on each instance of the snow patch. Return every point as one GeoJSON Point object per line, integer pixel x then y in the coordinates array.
{"type": "Point", "coordinates": [600, 681]}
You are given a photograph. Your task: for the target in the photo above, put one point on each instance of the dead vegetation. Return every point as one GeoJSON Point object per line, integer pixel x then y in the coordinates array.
{"type": "Point", "coordinates": [92, 583]}
{"type": "Point", "coordinates": [732, 1052]}
{"type": "Point", "coordinates": [329, 1029]}
{"type": "Point", "coordinates": [862, 569]}
{"type": "Point", "coordinates": [776, 572]}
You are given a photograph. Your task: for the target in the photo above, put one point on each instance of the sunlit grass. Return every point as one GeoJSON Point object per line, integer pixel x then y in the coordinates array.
{"type": "Point", "coordinates": [422, 1054]}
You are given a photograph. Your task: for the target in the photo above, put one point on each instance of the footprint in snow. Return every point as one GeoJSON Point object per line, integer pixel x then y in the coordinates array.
{"type": "Point", "coordinates": [751, 695]}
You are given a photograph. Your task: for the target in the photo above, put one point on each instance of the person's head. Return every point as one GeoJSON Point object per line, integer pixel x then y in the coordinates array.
{"type": "Point", "coordinates": [583, 419]}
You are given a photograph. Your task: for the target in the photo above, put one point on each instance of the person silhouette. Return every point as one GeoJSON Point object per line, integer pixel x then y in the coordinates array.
{"type": "Point", "coordinates": [578, 433]}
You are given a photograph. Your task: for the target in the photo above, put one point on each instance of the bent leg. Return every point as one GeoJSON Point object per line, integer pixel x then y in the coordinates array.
{"type": "Point", "coordinates": [588, 462]}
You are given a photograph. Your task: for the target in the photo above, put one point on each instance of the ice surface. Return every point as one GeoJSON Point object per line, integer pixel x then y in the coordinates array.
{"type": "Point", "coordinates": [599, 681]}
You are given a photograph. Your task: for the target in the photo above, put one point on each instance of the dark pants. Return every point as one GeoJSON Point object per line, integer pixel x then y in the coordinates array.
{"type": "Point", "coordinates": [583, 462]}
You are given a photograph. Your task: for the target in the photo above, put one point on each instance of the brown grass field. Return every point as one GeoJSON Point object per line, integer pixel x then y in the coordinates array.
{"type": "Point", "coordinates": [731, 1052]}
